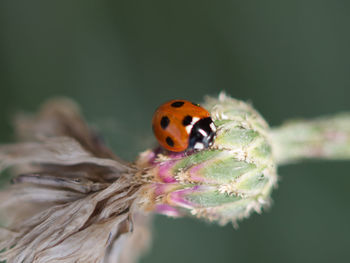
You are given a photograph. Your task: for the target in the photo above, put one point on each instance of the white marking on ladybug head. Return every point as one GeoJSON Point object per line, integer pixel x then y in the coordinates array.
{"type": "Point", "coordinates": [212, 127]}
{"type": "Point", "coordinates": [199, 146]}
{"type": "Point", "coordinates": [203, 132]}
{"type": "Point", "coordinates": [195, 119]}
{"type": "Point", "coordinates": [188, 128]}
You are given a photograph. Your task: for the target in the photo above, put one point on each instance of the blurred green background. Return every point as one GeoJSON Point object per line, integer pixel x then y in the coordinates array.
{"type": "Point", "coordinates": [120, 59]}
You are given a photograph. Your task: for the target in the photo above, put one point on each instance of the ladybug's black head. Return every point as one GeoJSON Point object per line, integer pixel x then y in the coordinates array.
{"type": "Point", "coordinates": [202, 134]}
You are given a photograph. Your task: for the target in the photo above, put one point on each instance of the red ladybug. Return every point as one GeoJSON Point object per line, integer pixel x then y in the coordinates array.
{"type": "Point", "coordinates": [180, 125]}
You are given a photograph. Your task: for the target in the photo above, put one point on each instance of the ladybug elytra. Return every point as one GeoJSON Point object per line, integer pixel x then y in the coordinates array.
{"type": "Point", "coordinates": [180, 125]}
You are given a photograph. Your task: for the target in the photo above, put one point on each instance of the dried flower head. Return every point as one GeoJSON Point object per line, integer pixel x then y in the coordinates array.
{"type": "Point", "coordinates": [71, 193]}
{"type": "Point", "coordinates": [72, 199]}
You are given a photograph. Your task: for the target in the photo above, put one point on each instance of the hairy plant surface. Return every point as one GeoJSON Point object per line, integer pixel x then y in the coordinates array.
{"type": "Point", "coordinates": [72, 200]}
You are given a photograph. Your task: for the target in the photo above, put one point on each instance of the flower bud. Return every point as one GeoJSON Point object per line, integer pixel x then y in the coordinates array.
{"type": "Point", "coordinates": [224, 182]}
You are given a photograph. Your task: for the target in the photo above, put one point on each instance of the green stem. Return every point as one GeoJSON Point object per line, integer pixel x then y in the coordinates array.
{"type": "Point", "coordinates": [326, 137]}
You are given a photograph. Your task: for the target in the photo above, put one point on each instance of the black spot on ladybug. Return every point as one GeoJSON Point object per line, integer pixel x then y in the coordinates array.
{"type": "Point", "coordinates": [177, 104]}
{"type": "Point", "coordinates": [169, 141]}
{"type": "Point", "coordinates": [187, 120]}
{"type": "Point", "coordinates": [164, 122]}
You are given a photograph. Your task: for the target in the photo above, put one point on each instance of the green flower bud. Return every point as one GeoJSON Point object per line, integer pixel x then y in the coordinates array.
{"type": "Point", "coordinates": [224, 182]}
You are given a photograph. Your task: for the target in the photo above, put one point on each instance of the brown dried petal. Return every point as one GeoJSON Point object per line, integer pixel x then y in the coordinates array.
{"type": "Point", "coordinates": [74, 200]}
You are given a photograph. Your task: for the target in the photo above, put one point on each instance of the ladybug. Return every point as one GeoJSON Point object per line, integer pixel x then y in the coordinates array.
{"type": "Point", "coordinates": [180, 125]}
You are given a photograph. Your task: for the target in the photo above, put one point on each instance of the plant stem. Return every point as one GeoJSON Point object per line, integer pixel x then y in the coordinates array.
{"type": "Point", "coordinates": [325, 137]}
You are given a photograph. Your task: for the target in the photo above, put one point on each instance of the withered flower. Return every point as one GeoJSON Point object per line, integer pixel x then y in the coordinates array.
{"type": "Point", "coordinates": [72, 199]}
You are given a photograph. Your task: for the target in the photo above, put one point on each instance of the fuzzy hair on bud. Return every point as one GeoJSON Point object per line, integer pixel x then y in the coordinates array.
{"type": "Point", "coordinates": [222, 183]}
